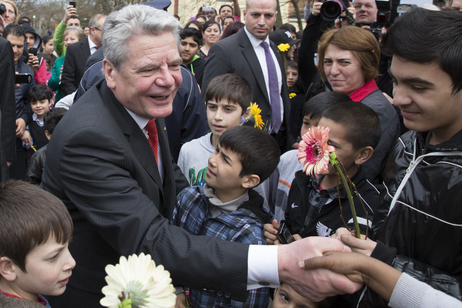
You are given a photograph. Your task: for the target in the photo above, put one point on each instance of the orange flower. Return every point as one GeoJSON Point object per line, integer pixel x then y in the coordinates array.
{"type": "Point", "coordinates": [313, 151]}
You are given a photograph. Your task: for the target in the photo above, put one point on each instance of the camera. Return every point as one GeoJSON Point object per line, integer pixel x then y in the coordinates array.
{"type": "Point", "coordinates": [331, 9]}
{"type": "Point", "coordinates": [23, 78]}
{"type": "Point", "coordinates": [33, 50]}
{"type": "Point", "coordinates": [284, 235]}
{"type": "Point", "coordinates": [72, 3]}
{"type": "Point", "coordinates": [2, 8]}
{"type": "Point", "coordinates": [383, 17]}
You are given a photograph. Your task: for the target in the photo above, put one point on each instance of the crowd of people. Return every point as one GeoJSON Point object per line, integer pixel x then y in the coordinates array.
{"type": "Point", "coordinates": [132, 134]}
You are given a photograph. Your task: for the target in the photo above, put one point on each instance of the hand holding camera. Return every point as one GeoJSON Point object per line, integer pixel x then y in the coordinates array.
{"type": "Point", "coordinates": [70, 10]}
{"type": "Point", "coordinates": [276, 234]}
{"type": "Point", "coordinates": [33, 62]}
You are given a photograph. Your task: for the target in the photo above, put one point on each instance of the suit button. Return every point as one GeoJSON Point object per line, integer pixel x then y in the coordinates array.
{"type": "Point", "coordinates": [263, 283]}
{"type": "Point", "coordinates": [220, 293]}
{"type": "Point", "coordinates": [227, 294]}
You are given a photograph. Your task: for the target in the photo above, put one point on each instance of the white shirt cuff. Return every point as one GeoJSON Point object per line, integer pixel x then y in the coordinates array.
{"type": "Point", "coordinates": [262, 267]}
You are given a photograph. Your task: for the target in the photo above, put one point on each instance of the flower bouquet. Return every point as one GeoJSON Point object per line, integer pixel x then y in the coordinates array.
{"type": "Point", "coordinates": [316, 154]}
{"type": "Point", "coordinates": [138, 283]}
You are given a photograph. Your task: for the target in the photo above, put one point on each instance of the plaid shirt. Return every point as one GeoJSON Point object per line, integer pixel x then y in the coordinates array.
{"type": "Point", "coordinates": [192, 213]}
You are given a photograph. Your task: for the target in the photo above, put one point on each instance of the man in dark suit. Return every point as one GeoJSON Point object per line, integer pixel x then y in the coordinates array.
{"type": "Point", "coordinates": [7, 107]}
{"type": "Point", "coordinates": [246, 54]}
{"type": "Point", "coordinates": [78, 53]}
{"type": "Point", "coordinates": [119, 183]}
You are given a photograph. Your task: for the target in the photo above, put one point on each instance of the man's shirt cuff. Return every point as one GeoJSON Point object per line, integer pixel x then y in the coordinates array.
{"type": "Point", "coordinates": [262, 267]}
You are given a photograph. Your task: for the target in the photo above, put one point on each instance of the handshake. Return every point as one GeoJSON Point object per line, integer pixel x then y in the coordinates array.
{"type": "Point", "coordinates": [330, 266]}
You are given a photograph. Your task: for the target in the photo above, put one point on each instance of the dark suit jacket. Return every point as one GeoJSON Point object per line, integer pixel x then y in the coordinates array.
{"type": "Point", "coordinates": [7, 107]}
{"type": "Point", "coordinates": [100, 164]}
{"type": "Point", "coordinates": [235, 54]}
{"type": "Point", "coordinates": [74, 65]}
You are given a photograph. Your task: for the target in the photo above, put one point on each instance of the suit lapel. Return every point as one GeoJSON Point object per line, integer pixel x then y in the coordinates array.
{"type": "Point", "coordinates": [280, 60]}
{"type": "Point", "coordinates": [251, 57]}
{"type": "Point", "coordinates": [85, 49]}
{"type": "Point", "coordinates": [134, 135]}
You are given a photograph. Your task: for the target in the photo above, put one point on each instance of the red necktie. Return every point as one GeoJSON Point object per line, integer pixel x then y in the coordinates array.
{"type": "Point", "coordinates": [151, 128]}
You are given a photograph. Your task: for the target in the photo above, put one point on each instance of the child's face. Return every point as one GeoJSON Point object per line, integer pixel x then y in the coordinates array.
{"type": "Point", "coordinates": [307, 123]}
{"type": "Point", "coordinates": [48, 47]}
{"type": "Point", "coordinates": [292, 76]}
{"type": "Point", "coordinates": [286, 297]}
{"type": "Point", "coordinates": [40, 107]}
{"type": "Point", "coordinates": [48, 269]}
{"type": "Point", "coordinates": [188, 49]}
{"type": "Point", "coordinates": [344, 150]}
{"type": "Point", "coordinates": [223, 174]}
{"type": "Point", "coordinates": [223, 115]}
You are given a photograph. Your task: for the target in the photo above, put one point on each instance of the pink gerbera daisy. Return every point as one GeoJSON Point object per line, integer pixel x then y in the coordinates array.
{"type": "Point", "coordinates": [313, 151]}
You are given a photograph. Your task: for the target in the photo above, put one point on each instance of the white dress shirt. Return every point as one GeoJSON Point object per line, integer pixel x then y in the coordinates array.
{"type": "Point", "coordinates": [260, 52]}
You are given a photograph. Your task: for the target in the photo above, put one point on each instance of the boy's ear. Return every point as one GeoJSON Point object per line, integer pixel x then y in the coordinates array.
{"type": "Point", "coordinates": [8, 269]}
{"type": "Point", "coordinates": [250, 181]}
{"type": "Point", "coordinates": [363, 154]}
{"type": "Point", "coordinates": [48, 135]}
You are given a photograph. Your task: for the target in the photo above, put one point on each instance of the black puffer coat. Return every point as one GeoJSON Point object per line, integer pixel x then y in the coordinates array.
{"type": "Point", "coordinates": [421, 215]}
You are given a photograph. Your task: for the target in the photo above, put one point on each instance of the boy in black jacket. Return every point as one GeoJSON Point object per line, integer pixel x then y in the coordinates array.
{"type": "Point", "coordinates": [313, 207]}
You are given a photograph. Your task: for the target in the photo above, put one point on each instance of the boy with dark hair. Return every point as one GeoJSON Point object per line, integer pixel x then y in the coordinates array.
{"type": "Point", "coordinates": [282, 178]}
{"type": "Point", "coordinates": [37, 161]}
{"type": "Point", "coordinates": [40, 103]}
{"type": "Point", "coordinates": [286, 297]}
{"type": "Point", "coordinates": [319, 206]}
{"type": "Point", "coordinates": [227, 100]}
{"type": "Point", "coordinates": [36, 230]}
{"type": "Point", "coordinates": [313, 207]}
{"type": "Point", "coordinates": [418, 225]}
{"type": "Point", "coordinates": [227, 207]}
{"type": "Point", "coordinates": [36, 63]}
{"type": "Point", "coordinates": [190, 44]}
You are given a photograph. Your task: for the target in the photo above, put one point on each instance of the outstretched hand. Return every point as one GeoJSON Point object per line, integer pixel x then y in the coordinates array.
{"type": "Point", "coordinates": [340, 262]}
{"type": "Point", "coordinates": [314, 284]}
{"type": "Point", "coordinates": [379, 276]}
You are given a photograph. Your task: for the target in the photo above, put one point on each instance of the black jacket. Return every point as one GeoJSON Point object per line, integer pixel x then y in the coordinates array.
{"type": "Point", "coordinates": [421, 216]}
{"type": "Point", "coordinates": [36, 165]}
{"type": "Point", "coordinates": [303, 217]}
{"type": "Point", "coordinates": [197, 69]}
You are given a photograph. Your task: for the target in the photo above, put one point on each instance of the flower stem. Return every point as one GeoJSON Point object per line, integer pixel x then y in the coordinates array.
{"type": "Point", "coordinates": [336, 163]}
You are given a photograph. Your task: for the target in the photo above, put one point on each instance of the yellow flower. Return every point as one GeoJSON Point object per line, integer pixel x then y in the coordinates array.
{"type": "Point", "coordinates": [255, 115]}
{"type": "Point", "coordinates": [292, 95]}
{"type": "Point", "coordinates": [283, 47]}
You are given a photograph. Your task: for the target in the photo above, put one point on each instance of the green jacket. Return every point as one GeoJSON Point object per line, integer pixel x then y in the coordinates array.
{"type": "Point", "coordinates": [55, 80]}
{"type": "Point", "coordinates": [58, 39]}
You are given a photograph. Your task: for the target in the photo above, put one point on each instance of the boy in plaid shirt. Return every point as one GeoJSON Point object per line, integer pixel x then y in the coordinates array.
{"type": "Point", "coordinates": [227, 207]}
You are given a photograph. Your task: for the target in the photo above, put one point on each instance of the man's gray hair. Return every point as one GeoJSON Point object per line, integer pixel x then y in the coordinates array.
{"type": "Point", "coordinates": [132, 20]}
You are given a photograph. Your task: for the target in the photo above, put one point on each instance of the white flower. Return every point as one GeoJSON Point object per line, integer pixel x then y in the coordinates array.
{"type": "Point", "coordinates": [140, 280]}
